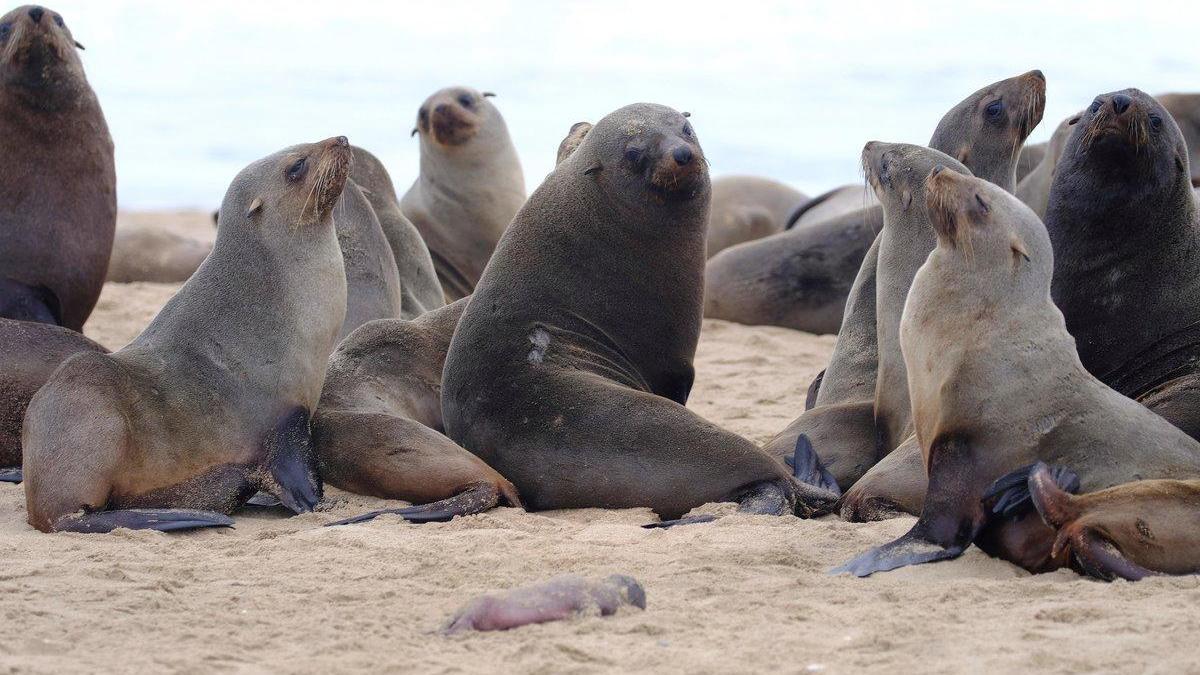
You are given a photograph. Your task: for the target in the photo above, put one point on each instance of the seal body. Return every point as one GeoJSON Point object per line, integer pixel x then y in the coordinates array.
{"type": "Point", "coordinates": [1185, 110]}
{"type": "Point", "coordinates": [420, 290]}
{"type": "Point", "coordinates": [570, 367]}
{"type": "Point", "coordinates": [745, 208]}
{"type": "Point", "coordinates": [469, 188]}
{"type": "Point", "coordinates": [211, 402]}
{"type": "Point", "coordinates": [154, 255]}
{"type": "Point", "coordinates": [57, 182]}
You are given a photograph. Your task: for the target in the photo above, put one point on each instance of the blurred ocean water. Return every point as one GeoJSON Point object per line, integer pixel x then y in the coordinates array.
{"type": "Point", "coordinates": [792, 90]}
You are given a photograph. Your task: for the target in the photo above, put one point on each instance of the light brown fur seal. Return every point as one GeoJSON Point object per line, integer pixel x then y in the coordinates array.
{"type": "Point", "coordinates": [569, 370]}
{"type": "Point", "coordinates": [154, 255]}
{"type": "Point", "coordinates": [57, 179]}
{"type": "Point", "coordinates": [211, 402]}
{"type": "Point", "coordinates": [996, 384]}
{"type": "Point", "coordinates": [745, 208]}
{"type": "Point", "coordinates": [1185, 109]}
{"type": "Point", "coordinates": [378, 429]}
{"type": "Point", "coordinates": [469, 188]}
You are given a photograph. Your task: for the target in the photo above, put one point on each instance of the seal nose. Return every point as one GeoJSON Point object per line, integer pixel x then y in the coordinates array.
{"type": "Point", "coordinates": [341, 141]}
{"type": "Point", "coordinates": [1037, 74]}
{"type": "Point", "coordinates": [36, 13]}
{"type": "Point", "coordinates": [683, 155]}
{"type": "Point", "coordinates": [441, 108]}
{"type": "Point", "coordinates": [937, 169]}
{"type": "Point", "coordinates": [1121, 103]}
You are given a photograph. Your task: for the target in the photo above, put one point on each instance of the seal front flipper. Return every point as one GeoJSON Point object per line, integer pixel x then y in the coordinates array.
{"type": "Point", "coordinates": [1011, 494]}
{"type": "Point", "coordinates": [475, 499]}
{"type": "Point", "coordinates": [1098, 557]}
{"type": "Point", "coordinates": [22, 302]}
{"type": "Point", "coordinates": [11, 474]}
{"type": "Point", "coordinates": [263, 500]}
{"type": "Point", "coordinates": [163, 520]}
{"type": "Point", "coordinates": [292, 464]}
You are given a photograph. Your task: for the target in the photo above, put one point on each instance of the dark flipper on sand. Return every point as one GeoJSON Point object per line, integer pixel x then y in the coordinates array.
{"type": "Point", "coordinates": [293, 464]}
{"type": "Point", "coordinates": [690, 520]}
{"type": "Point", "coordinates": [163, 520]}
{"type": "Point", "coordinates": [1010, 495]}
{"type": "Point", "coordinates": [911, 549]}
{"type": "Point", "coordinates": [475, 499]}
{"type": "Point", "coordinates": [263, 500]}
{"type": "Point", "coordinates": [11, 474]}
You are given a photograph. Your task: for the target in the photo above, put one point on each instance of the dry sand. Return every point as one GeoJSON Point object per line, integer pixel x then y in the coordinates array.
{"type": "Point", "coordinates": [745, 594]}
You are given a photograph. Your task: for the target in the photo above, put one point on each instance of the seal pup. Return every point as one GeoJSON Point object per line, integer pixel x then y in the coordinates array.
{"type": "Point", "coordinates": [987, 130]}
{"type": "Point", "coordinates": [32, 351]}
{"type": "Point", "coordinates": [745, 208]}
{"type": "Point", "coordinates": [469, 188]}
{"type": "Point", "coordinates": [559, 598]}
{"type": "Point", "coordinates": [378, 428]}
{"type": "Point", "coordinates": [1125, 226]}
{"type": "Point", "coordinates": [211, 402]}
{"type": "Point", "coordinates": [420, 290]}
{"type": "Point", "coordinates": [57, 181]}
{"type": "Point", "coordinates": [996, 382]}
{"type": "Point", "coordinates": [569, 370]}
{"type": "Point", "coordinates": [1185, 110]}
{"type": "Point", "coordinates": [154, 255]}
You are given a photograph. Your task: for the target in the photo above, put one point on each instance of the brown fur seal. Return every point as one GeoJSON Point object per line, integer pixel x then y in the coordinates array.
{"type": "Point", "coordinates": [378, 429]}
{"type": "Point", "coordinates": [559, 598]}
{"type": "Point", "coordinates": [986, 129]}
{"type": "Point", "coordinates": [57, 180]}
{"type": "Point", "coordinates": [745, 208]}
{"type": "Point", "coordinates": [1185, 109]}
{"type": "Point", "coordinates": [570, 368]}
{"type": "Point", "coordinates": [420, 290]}
{"type": "Point", "coordinates": [832, 204]}
{"type": "Point", "coordinates": [1126, 231]}
{"type": "Point", "coordinates": [32, 351]}
{"type": "Point", "coordinates": [211, 402]}
{"type": "Point", "coordinates": [1031, 155]}
{"type": "Point", "coordinates": [156, 255]}
{"type": "Point", "coordinates": [1034, 189]}
{"type": "Point", "coordinates": [372, 282]}
{"type": "Point", "coordinates": [996, 382]}
{"type": "Point", "coordinates": [469, 188]}
{"type": "Point", "coordinates": [574, 137]}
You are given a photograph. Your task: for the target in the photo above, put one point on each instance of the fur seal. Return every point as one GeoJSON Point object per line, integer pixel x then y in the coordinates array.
{"type": "Point", "coordinates": [420, 290]}
{"type": "Point", "coordinates": [559, 598]}
{"type": "Point", "coordinates": [986, 129]}
{"type": "Point", "coordinates": [32, 351]}
{"type": "Point", "coordinates": [828, 205]}
{"type": "Point", "coordinates": [1034, 188]}
{"type": "Point", "coordinates": [570, 368]}
{"type": "Point", "coordinates": [373, 288]}
{"type": "Point", "coordinates": [1125, 226]}
{"type": "Point", "coordinates": [996, 382]}
{"type": "Point", "coordinates": [745, 208]}
{"type": "Point", "coordinates": [1031, 155]}
{"type": "Point", "coordinates": [57, 181]}
{"type": "Point", "coordinates": [378, 428]}
{"type": "Point", "coordinates": [1185, 110]}
{"type": "Point", "coordinates": [210, 403]}
{"type": "Point", "coordinates": [155, 255]}
{"type": "Point", "coordinates": [469, 188]}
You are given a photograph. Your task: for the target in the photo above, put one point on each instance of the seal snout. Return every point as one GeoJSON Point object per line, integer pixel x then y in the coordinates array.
{"type": "Point", "coordinates": [36, 13]}
{"type": "Point", "coordinates": [1121, 103]}
{"type": "Point", "coordinates": [683, 155]}
{"type": "Point", "coordinates": [679, 171]}
{"type": "Point", "coordinates": [451, 123]}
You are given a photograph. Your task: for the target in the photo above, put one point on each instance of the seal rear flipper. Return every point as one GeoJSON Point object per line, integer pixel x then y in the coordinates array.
{"type": "Point", "coordinates": [667, 524]}
{"type": "Point", "coordinates": [263, 500]}
{"type": "Point", "coordinates": [162, 520]}
{"type": "Point", "coordinates": [808, 469]}
{"type": "Point", "coordinates": [1099, 558]}
{"type": "Point", "coordinates": [913, 548]}
{"type": "Point", "coordinates": [292, 464]}
{"type": "Point", "coordinates": [28, 303]}
{"type": "Point", "coordinates": [1011, 494]}
{"type": "Point", "coordinates": [11, 474]}
{"type": "Point", "coordinates": [475, 499]}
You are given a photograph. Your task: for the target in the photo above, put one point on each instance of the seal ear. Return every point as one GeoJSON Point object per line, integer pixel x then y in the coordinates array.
{"type": "Point", "coordinates": [1074, 120]}
{"type": "Point", "coordinates": [1018, 248]}
{"type": "Point", "coordinates": [78, 45]}
{"type": "Point", "coordinates": [255, 206]}
{"type": "Point", "coordinates": [414, 132]}
{"type": "Point", "coordinates": [592, 170]}
{"type": "Point", "coordinates": [907, 197]}
{"type": "Point", "coordinates": [488, 94]}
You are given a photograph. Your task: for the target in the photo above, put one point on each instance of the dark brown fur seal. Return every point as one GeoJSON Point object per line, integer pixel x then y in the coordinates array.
{"type": "Point", "coordinates": [155, 255]}
{"type": "Point", "coordinates": [30, 354]}
{"type": "Point", "coordinates": [378, 429]}
{"type": "Point", "coordinates": [1126, 231]}
{"type": "Point", "coordinates": [987, 130]}
{"type": "Point", "coordinates": [57, 180]}
{"type": "Point", "coordinates": [469, 188]}
{"type": "Point", "coordinates": [559, 598]}
{"type": "Point", "coordinates": [745, 208]}
{"type": "Point", "coordinates": [570, 368]}
{"type": "Point", "coordinates": [211, 402]}
{"type": "Point", "coordinates": [997, 384]}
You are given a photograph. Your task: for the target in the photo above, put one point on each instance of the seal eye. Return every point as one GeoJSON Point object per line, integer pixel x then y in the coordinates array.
{"type": "Point", "coordinates": [297, 170]}
{"type": "Point", "coordinates": [1155, 122]}
{"type": "Point", "coordinates": [58, 20]}
{"type": "Point", "coordinates": [1095, 107]}
{"type": "Point", "coordinates": [633, 155]}
{"type": "Point", "coordinates": [5, 29]}
{"type": "Point", "coordinates": [994, 109]}
{"type": "Point", "coordinates": [687, 130]}
{"type": "Point", "coordinates": [466, 101]}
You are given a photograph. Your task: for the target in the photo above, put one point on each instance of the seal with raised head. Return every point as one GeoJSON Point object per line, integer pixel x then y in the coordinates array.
{"type": "Point", "coordinates": [1126, 231]}
{"type": "Point", "coordinates": [996, 384]}
{"type": "Point", "coordinates": [986, 130]}
{"type": "Point", "coordinates": [211, 402]}
{"type": "Point", "coordinates": [469, 188]}
{"type": "Point", "coordinates": [420, 290]}
{"type": "Point", "coordinates": [32, 351]}
{"type": "Point", "coordinates": [745, 208]}
{"type": "Point", "coordinates": [572, 362]}
{"type": "Point", "coordinates": [57, 180]}
{"type": "Point", "coordinates": [378, 428]}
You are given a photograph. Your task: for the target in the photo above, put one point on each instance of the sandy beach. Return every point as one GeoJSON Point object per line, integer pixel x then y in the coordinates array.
{"type": "Point", "coordinates": [746, 594]}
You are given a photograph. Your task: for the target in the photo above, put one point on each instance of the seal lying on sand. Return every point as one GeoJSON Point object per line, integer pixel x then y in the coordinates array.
{"type": "Point", "coordinates": [559, 598]}
{"type": "Point", "coordinates": [57, 179]}
{"type": "Point", "coordinates": [469, 188]}
{"type": "Point", "coordinates": [32, 352]}
{"type": "Point", "coordinates": [211, 402]}
{"type": "Point", "coordinates": [378, 428]}
{"type": "Point", "coordinates": [829, 205]}
{"type": "Point", "coordinates": [745, 208]}
{"type": "Point", "coordinates": [986, 130]}
{"type": "Point", "coordinates": [155, 255]}
{"type": "Point", "coordinates": [997, 384]}
{"type": "Point", "coordinates": [569, 370]}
